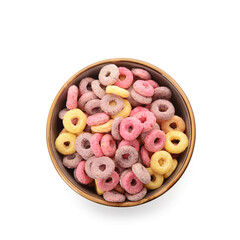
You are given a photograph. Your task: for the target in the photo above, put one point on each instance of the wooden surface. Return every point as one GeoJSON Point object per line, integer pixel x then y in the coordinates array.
{"type": "Point", "coordinates": [179, 99]}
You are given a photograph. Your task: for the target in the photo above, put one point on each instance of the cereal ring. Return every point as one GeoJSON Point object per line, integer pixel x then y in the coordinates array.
{"type": "Point", "coordinates": [113, 196]}
{"type": "Point", "coordinates": [81, 123]}
{"type": "Point", "coordinates": [85, 85]}
{"type": "Point", "coordinates": [162, 93]}
{"type": "Point", "coordinates": [130, 98]}
{"type": "Point", "coordinates": [65, 143]}
{"type": "Point", "coordinates": [95, 144]}
{"type": "Point", "coordinates": [72, 97]}
{"type": "Point", "coordinates": [112, 104]}
{"type": "Point", "coordinates": [62, 113]}
{"type": "Point", "coordinates": [98, 190]}
{"type": "Point", "coordinates": [125, 78]}
{"type": "Point", "coordinates": [93, 106]}
{"type": "Point", "coordinates": [126, 156]}
{"type": "Point", "coordinates": [156, 180]}
{"type": "Point", "coordinates": [141, 74]}
{"type": "Point", "coordinates": [71, 161]}
{"type": "Point", "coordinates": [162, 109]}
{"type": "Point", "coordinates": [155, 140]}
{"type": "Point", "coordinates": [108, 75]}
{"type": "Point", "coordinates": [134, 143]}
{"type": "Point", "coordinates": [147, 119]}
{"type": "Point", "coordinates": [161, 162]}
{"type": "Point", "coordinates": [108, 145]}
{"type": "Point", "coordinates": [99, 91]}
{"type": "Point", "coordinates": [80, 175]}
{"type": "Point", "coordinates": [175, 123]}
{"type": "Point", "coordinates": [143, 88]}
{"type": "Point", "coordinates": [138, 109]}
{"type": "Point", "coordinates": [139, 98]}
{"type": "Point", "coordinates": [119, 189]}
{"type": "Point", "coordinates": [141, 173]}
{"type": "Point", "coordinates": [131, 183]}
{"type": "Point", "coordinates": [103, 128]}
{"type": "Point", "coordinates": [137, 196]}
{"type": "Point", "coordinates": [130, 128]}
{"type": "Point", "coordinates": [110, 183]}
{"type": "Point", "coordinates": [97, 119]}
{"type": "Point", "coordinates": [176, 142]}
{"type": "Point", "coordinates": [117, 91]}
{"type": "Point", "coordinates": [145, 157]}
{"type": "Point", "coordinates": [88, 96]}
{"type": "Point", "coordinates": [153, 83]}
{"type": "Point", "coordinates": [174, 166]}
{"type": "Point", "coordinates": [115, 128]}
{"type": "Point", "coordinates": [83, 146]}
{"type": "Point", "coordinates": [144, 134]}
{"type": "Point", "coordinates": [88, 166]}
{"type": "Point", "coordinates": [126, 110]}
{"type": "Point", "coordinates": [122, 175]}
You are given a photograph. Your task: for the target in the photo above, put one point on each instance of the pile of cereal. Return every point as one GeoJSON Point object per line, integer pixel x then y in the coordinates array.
{"type": "Point", "coordinates": [121, 133]}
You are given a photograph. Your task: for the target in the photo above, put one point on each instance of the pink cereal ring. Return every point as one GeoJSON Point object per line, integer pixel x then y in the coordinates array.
{"type": "Point", "coordinates": [141, 173]}
{"type": "Point", "coordinates": [115, 128]}
{"type": "Point", "coordinates": [130, 128]}
{"type": "Point", "coordinates": [153, 83]}
{"type": "Point", "coordinates": [95, 144]}
{"type": "Point", "coordinates": [143, 88]}
{"type": "Point", "coordinates": [145, 156]}
{"type": "Point", "coordinates": [155, 140]}
{"type": "Point", "coordinates": [141, 74]}
{"type": "Point", "coordinates": [137, 109]}
{"type": "Point", "coordinates": [147, 120]}
{"type": "Point", "coordinates": [137, 196]}
{"type": "Point", "coordinates": [110, 183]}
{"type": "Point", "coordinates": [85, 85]}
{"type": "Point", "coordinates": [114, 196]}
{"type": "Point", "coordinates": [131, 183]}
{"type": "Point", "coordinates": [108, 145]}
{"type": "Point", "coordinates": [97, 119]}
{"type": "Point", "coordinates": [134, 143]}
{"type": "Point", "coordinates": [72, 97]}
{"type": "Point", "coordinates": [125, 78]}
{"type": "Point", "coordinates": [144, 134]}
{"type": "Point", "coordinates": [140, 98]}
{"type": "Point", "coordinates": [80, 175]}
{"type": "Point", "coordinates": [123, 173]}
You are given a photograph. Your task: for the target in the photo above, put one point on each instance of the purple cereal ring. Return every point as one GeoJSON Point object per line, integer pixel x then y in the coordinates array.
{"type": "Point", "coordinates": [126, 156]}
{"type": "Point", "coordinates": [113, 196]}
{"type": "Point", "coordinates": [62, 113]}
{"type": "Point", "coordinates": [162, 93]}
{"type": "Point", "coordinates": [115, 128]}
{"type": "Point", "coordinates": [108, 75]}
{"type": "Point", "coordinates": [131, 100]}
{"type": "Point", "coordinates": [125, 78]}
{"type": "Point", "coordinates": [141, 173]}
{"type": "Point", "coordinates": [141, 74]}
{"type": "Point", "coordinates": [162, 109]}
{"type": "Point", "coordinates": [145, 156]}
{"type": "Point", "coordinates": [93, 106]}
{"type": "Point", "coordinates": [80, 175]}
{"type": "Point", "coordinates": [102, 167]}
{"type": "Point", "coordinates": [130, 128]}
{"type": "Point", "coordinates": [139, 98]}
{"type": "Point", "coordinates": [131, 183]}
{"type": "Point", "coordinates": [155, 140]}
{"type": "Point", "coordinates": [97, 119]}
{"type": "Point", "coordinates": [95, 144]}
{"type": "Point", "coordinates": [147, 120]}
{"type": "Point", "coordinates": [122, 175]}
{"type": "Point", "coordinates": [83, 146]}
{"type": "Point", "coordinates": [144, 134]}
{"type": "Point", "coordinates": [134, 143]}
{"type": "Point", "coordinates": [110, 183]}
{"type": "Point", "coordinates": [108, 145]}
{"type": "Point", "coordinates": [72, 97]}
{"type": "Point", "coordinates": [137, 196]}
{"type": "Point", "coordinates": [88, 96]}
{"type": "Point", "coordinates": [143, 88]}
{"type": "Point", "coordinates": [137, 109]}
{"type": "Point", "coordinates": [153, 83]}
{"type": "Point", "coordinates": [85, 85]}
{"type": "Point", "coordinates": [88, 166]}
{"type": "Point", "coordinates": [106, 102]}
{"type": "Point", "coordinates": [98, 90]}
{"type": "Point", "coordinates": [71, 161]}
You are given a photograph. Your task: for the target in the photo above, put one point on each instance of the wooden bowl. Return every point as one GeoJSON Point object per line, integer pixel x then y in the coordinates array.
{"type": "Point", "coordinates": [179, 99]}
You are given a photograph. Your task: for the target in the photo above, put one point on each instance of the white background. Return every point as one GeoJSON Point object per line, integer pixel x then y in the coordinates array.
{"type": "Point", "coordinates": [43, 43]}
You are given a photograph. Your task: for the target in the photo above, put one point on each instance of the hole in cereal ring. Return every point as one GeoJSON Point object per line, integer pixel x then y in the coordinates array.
{"type": "Point", "coordinates": [107, 74]}
{"type": "Point", "coordinates": [175, 141]}
{"type": "Point", "coordinates": [163, 108]}
{"type": "Point", "coordinates": [133, 182]}
{"type": "Point", "coordinates": [96, 110]}
{"type": "Point", "coordinates": [122, 77]}
{"type": "Point", "coordinates": [142, 119]}
{"type": "Point", "coordinates": [153, 178]}
{"type": "Point", "coordinates": [130, 129]}
{"type": "Point", "coordinates": [89, 87]}
{"type": "Point", "coordinates": [125, 156]}
{"type": "Point", "coordinates": [72, 156]}
{"type": "Point", "coordinates": [161, 161]}
{"type": "Point", "coordinates": [102, 167]}
{"type": "Point", "coordinates": [112, 103]}
{"type": "Point", "coordinates": [75, 121]}
{"type": "Point", "coordinates": [67, 143]}
{"type": "Point", "coordinates": [109, 180]}
{"type": "Point", "coordinates": [173, 125]}
{"type": "Point", "coordinates": [85, 144]}
{"type": "Point", "coordinates": [157, 140]}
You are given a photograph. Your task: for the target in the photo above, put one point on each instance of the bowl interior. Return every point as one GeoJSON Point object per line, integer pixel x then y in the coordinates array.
{"type": "Point", "coordinates": [60, 103]}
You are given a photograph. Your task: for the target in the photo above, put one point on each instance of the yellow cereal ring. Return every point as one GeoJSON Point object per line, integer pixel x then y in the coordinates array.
{"type": "Point", "coordinates": [156, 180]}
{"type": "Point", "coordinates": [126, 110]}
{"type": "Point", "coordinates": [179, 138]}
{"type": "Point", "coordinates": [81, 123]}
{"type": "Point", "coordinates": [117, 91]}
{"type": "Point", "coordinates": [161, 162]}
{"type": "Point", "coordinates": [174, 165]}
{"type": "Point", "coordinates": [104, 128]}
{"type": "Point", "coordinates": [65, 143]}
{"type": "Point", "coordinates": [175, 123]}
{"type": "Point", "coordinates": [65, 131]}
{"type": "Point", "coordinates": [98, 190]}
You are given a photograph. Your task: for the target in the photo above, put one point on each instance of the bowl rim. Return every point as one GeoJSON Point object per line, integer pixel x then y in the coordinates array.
{"type": "Point", "coordinates": [163, 189]}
